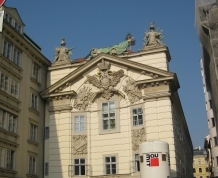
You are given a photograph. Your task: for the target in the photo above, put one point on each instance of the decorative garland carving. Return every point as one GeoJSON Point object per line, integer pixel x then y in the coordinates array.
{"type": "Point", "coordinates": [132, 91]}
{"type": "Point", "coordinates": [105, 80]}
{"type": "Point", "coordinates": [79, 144]}
{"type": "Point", "coordinates": [83, 97]}
{"type": "Point", "coordinates": [138, 136]}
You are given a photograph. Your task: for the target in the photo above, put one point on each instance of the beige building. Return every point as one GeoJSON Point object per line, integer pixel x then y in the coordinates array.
{"type": "Point", "coordinates": [200, 164]}
{"type": "Point", "coordinates": [23, 71]}
{"type": "Point", "coordinates": [100, 109]}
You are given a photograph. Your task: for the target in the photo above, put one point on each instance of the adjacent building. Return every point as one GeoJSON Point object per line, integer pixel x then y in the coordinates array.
{"type": "Point", "coordinates": [207, 28]}
{"type": "Point", "coordinates": [23, 71]}
{"type": "Point", "coordinates": [200, 163]}
{"type": "Point", "coordinates": [99, 109]}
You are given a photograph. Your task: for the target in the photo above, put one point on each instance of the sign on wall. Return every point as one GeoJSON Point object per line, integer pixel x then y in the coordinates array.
{"type": "Point", "coordinates": [2, 2]}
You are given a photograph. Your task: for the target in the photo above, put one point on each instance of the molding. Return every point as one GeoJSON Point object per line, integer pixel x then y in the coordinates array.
{"type": "Point", "coordinates": [33, 142]}
{"type": "Point", "coordinates": [59, 95]}
{"type": "Point", "coordinates": [113, 59]}
{"type": "Point", "coordinates": [35, 81]}
{"type": "Point", "coordinates": [34, 111]}
{"type": "Point", "coordinates": [31, 176]}
{"type": "Point", "coordinates": [7, 105]}
{"type": "Point", "coordinates": [60, 108]}
{"type": "Point", "coordinates": [9, 96]}
{"type": "Point", "coordinates": [9, 142]}
{"type": "Point", "coordinates": [9, 133]}
{"type": "Point", "coordinates": [156, 95]}
{"type": "Point", "coordinates": [8, 171]}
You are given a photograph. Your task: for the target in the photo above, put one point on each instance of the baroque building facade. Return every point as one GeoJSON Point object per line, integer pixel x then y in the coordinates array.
{"type": "Point", "coordinates": [100, 109]}
{"type": "Point", "coordinates": [23, 71]}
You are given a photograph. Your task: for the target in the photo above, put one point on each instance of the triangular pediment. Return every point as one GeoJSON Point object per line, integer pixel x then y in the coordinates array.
{"type": "Point", "coordinates": [152, 74]}
{"type": "Point", "coordinates": [14, 14]}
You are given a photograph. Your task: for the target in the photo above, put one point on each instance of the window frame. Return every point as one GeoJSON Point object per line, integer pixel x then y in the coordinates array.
{"type": "Point", "coordinates": [110, 163]}
{"type": "Point", "coordinates": [46, 132]}
{"type": "Point", "coordinates": [36, 72]}
{"type": "Point", "coordinates": [79, 122]}
{"type": "Point", "coordinates": [33, 132]}
{"type": "Point", "coordinates": [80, 165]}
{"type": "Point", "coordinates": [136, 165]}
{"type": "Point", "coordinates": [46, 168]}
{"type": "Point", "coordinates": [32, 165]}
{"type": "Point", "coordinates": [7, 49]}
{"type": "Point", "coordinates": [17, 56]}
{"type": "Point", "coordinates": [4, 82]}
{"type": "Point", "coordinates": [11, 161]}
{"type": "Point", "coordinates": [213, 124]}
{"type": "Point", "coordinates": [142, 114]}
{"type": "Point", "coordinates": [34, 101]}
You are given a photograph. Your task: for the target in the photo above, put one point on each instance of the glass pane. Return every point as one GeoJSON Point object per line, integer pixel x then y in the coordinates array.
{"type": "Point", "coordinates": [113, 168]}
{"type": "Point", "coordinates": [134, 111]}
{"type": "Point", "coordinates": [104, 106]}
{"type": "Point", "coordinates": [140, 111]}
{"type": "Point", "coordinates": [76, 161]}
{"type": "Point", "coordinates": [105, 124]}
{"type": "Point", "coordinates": [112, 106]}
{"type": "Point", "coordinates": [83, 170]}
{"type": "Point", "coordinates": [135, 121]}
{"type": "Point", "coordinates": [136, 157]}
{"type": "Point", "coordinates": [138, 165]}
{"type": "Point", "coordinates": [113, 159]}
{"type": "Point", "coordinates": [112, 123]}
{"type": "Point", "coordinates": [82, 118]}
{"type": "Point", "coordinates": [76, 126]}
{"type": "Point", "coordinates": [76, 170]}
{"type": "Point", "coordinates": [107, 159]}
{"type": "Point", "coordinates": [108, 169]}
{"type": "Point", "coordinates": [112, 114]}
{"type": "Point", "coordinates": [76, 118]}
{"type": "Point", "coordinates": [82, 126]}
{"type": "Point", "coordinates": [82, 161]}
{"type": "Point", "coordinates": [105, 115]}
{"type": "Point", "coordinates": [140, 119]}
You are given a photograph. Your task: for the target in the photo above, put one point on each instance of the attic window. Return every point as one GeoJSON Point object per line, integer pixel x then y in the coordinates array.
{"type": "Point", "coordinates": [17, 27]}
{"type": "Point", "coordinates": [9, 19]}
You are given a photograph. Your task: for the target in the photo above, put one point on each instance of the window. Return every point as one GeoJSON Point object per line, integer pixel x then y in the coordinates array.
{"type": "Point", "coordinates": [200, 169]}
{"type": "Point", "coordinates": [35, 71]}
{"type": "Point", "coordinates": [12, 123]}
{"type": "Point", "coordinates": [201, 177]}
{"type": "Point", "coordinates": [14, 88]}
{"type": "Point", "coordinates": [213, 122]}
{"type": "Point", "coordinates": [8, 19]}
{"type": "Point", "coordinates": [194, 171]}
{"type": "Point", "coordinates": [217, 161]}
{"type": "Point", "coordinates": [4, 82]}
{"type": "Point", "coordinates": [7, 49]}
{"type": "Point", "coordinates": [33, 132]}
{"type": "Point", "coordinates": [3, 118]}
{"type": "Point", "coordinates": [2, 157]}
{"type": "Point", "coordinates": [79, 167]}
{"type": "Point", "coordinates": [32, 165]}
{"type": "Point", "coordinates": [46, 169]}
{"type": "Point", "coordinates": [137, 163]}
{"type": "Point", "coordinates": [34, 101]}
{"type": "Point", "coordinates": [110, 165]}
{"type": "Point", "coordinates": [137, 116]}
{"type": "Point", "coordinates": [207, 170]}
{"type": "Point", "coordinates": [79, 123]}
{"type": "Point", "coordinates": [108, 115]}
{"type": "Point", "coordinates": [46, 132]}
{"type": "Point", "coordinates": [215, 141]}
{"type": "Point", "coordinates": [199, 161]}
{"type": "Point", "coordinates": [17, 57]}
{"type": "Point", "coordinates": [10, 159]}
{"type": "Point", "coordinates": [17, 27]}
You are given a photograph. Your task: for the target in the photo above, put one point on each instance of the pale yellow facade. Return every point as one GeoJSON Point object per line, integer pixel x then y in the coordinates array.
{"type": "Point", "coordinates": [154, 92]}
{"type": "Point", "coordinates": [200, 166]}
{"type": "Point", "coordinates": [22, 76]}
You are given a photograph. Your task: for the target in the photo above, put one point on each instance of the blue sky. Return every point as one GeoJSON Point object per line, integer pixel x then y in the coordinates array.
{"type": "Point", "coordinates": [87, 24]}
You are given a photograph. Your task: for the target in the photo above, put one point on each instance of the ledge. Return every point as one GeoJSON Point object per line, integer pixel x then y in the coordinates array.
{"type": "Point", "coordinates": [9, 133]}
{"type": "Point", "coordinates": [9, 96]}
{"type": "Point", "coordinates": [35, 81]}
{"type": "Point", "coordinates": [9, 142]}
{"type": "Point", "coordinates": [33, 142]}
{"type": "Point", "coordinates": [13, 64]}
{"type": "Point", "coordinates": [31, 175]}
{"type": "Point", "coordinates": [8, 171]}
{"type": "Point", "coordinates": [35, 111]}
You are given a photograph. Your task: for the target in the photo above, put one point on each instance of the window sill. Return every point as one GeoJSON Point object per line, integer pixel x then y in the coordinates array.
{"type": "Point", "coordinates": [9, 96]}
{"type": "Point", "coordinates": [33, 142]}
{"type": "Point", "coordinates": [102, 132]}
{"type": "Point", "coordinates": [35, 111]}
{"type": "Point", "coordinates": [8, 132]}
{"type": "Point", "coordinates": [13, 64]}
{"type": "Point", "coordinates": [31, 175]}
{"type": "Point", "coordinates": [8, 170]}
{"type": "Point", "coordinates": [36, 81]}
{"type": "Point", "coordinates": [137, 126]}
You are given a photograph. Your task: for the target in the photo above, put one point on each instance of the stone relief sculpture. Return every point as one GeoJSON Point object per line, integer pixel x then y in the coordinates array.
{"type": "Point", "coordinates": [106, 80]}
{"type": "Point", "coordinates": [132, 91]}
{"type": "Point", "coordinates": [62, 53]}
{"type": "Point", "coordinates": [79, 144]}
{"type": "Point", "coordinates": [153, 38]}
{"type": "Point", "coordinates": [83, 98]}
{"type": "Point", "coordinates": [113, 50]}
{"type": "Point", "coordinates": [138, 136]}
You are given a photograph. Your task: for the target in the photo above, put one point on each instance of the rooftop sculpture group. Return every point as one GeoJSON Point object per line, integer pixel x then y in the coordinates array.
{"type": "Point", "coordinates": [153, 38]}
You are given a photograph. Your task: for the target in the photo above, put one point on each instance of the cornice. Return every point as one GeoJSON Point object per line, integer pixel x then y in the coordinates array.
{"type": "Point", "coordinates": [60, 95]}
{"type": "Point", "coordinates": [25, 45]}
{"type": "Point", "coordinates": [64, 66]}
{"type": "Point", "coordinates": [126, 63]}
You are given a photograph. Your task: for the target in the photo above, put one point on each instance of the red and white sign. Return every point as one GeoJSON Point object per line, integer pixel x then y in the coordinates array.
{"type": "Point", "coordinates": [152, 159]}
{"type": "Point", "coordinates": [2, 2]}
